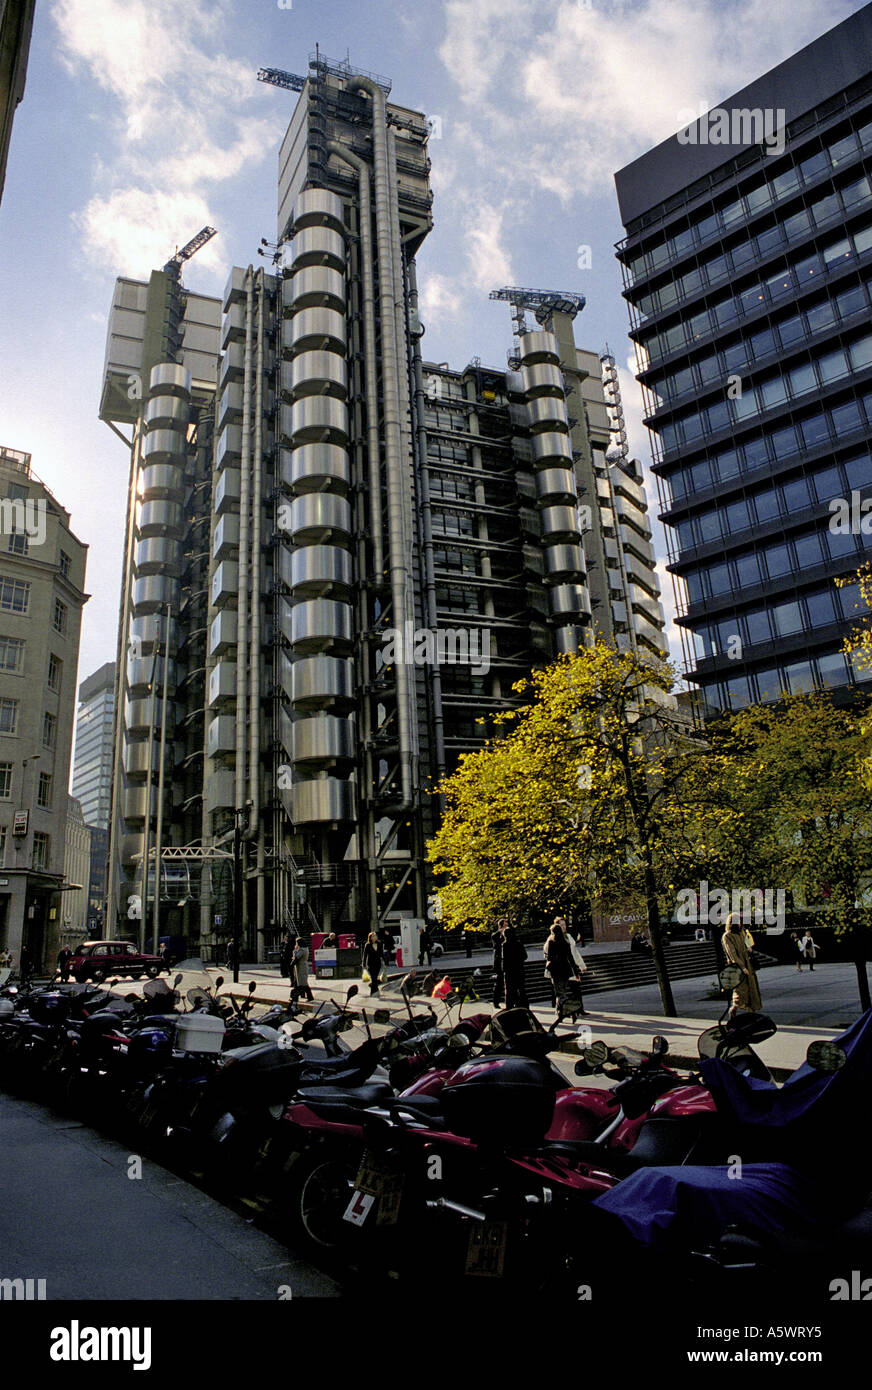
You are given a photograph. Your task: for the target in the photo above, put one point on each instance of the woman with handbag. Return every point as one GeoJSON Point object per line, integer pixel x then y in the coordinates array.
{"type": "Point", "coordinates": [559, 964]}
{"type": "Point", "coordinates": [373, 961]}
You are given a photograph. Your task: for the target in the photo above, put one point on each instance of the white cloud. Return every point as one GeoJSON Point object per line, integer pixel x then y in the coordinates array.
{"type": "Point", "coordinates": [488, 261]}
{"type": "Point", "coordinates": [440, 297]}
{"type": "Point", "coordinates": [183, 121]}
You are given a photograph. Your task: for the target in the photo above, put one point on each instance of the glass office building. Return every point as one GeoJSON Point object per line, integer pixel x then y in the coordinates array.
{"type": "Point", "coordinates": [748, 272]}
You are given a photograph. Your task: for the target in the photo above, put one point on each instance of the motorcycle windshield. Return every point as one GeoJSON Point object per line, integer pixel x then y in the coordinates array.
{"type": "Point", "coordinates": [812, 1108]}
{"type": "Point", "coordinates": [194, 975]}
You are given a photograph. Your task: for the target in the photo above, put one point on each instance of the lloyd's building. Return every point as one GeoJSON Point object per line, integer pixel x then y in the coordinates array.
{"type": "Point", "coordinates": [340, 557]}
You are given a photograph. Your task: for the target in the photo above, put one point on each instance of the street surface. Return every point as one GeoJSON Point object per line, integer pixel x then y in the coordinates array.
{"type": "Point", "coordinates": [71, 1215]}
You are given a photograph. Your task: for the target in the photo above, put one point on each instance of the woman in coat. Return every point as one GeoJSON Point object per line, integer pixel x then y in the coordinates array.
{"type": "Point", "coordinates": [746, 995]}
{"type": "Point", "coordinates": [559, 965]}
{"type": "Point", "coordinates": [299, 951]}
{"type": "Point", "coordinates": [514, 955]}
{"type": "Point", "coordinates": [373, 961]}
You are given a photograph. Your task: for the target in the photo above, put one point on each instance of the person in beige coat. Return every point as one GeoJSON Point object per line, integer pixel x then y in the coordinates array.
{"type": "Point", "coordinates": [746, 995]}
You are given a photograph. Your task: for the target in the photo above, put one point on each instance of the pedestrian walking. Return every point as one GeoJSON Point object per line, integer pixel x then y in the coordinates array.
{"type": "Point", "coordinates": [809, 949]}
{"type": "Point", "coordinates": [498, 978]}
{"type": "Point", "coordinates": [65, 955]}
{"type": "Point", "coordinates": [559, 965]}
{"type": "Point", "coordinates": [794, 936]}
{"type": "Point", "coordinates": [746, 995]}
{"type": "Point", "coordinates": [425, 946]}
{"type": "Point", "coordinates": [299, 969]}
{"type": "Point", "coordinates": [230, 955]}
{"type": "Point", "coordinates": [373, 962]}
{"type": "Point", "coordinates": [578, 961]}
{"type": "Point", "coordinates": [286, 951]}
{"type": "Point", "coordinates": [25, 966]}
{"type": "Point", "coordinates": [514, 955]}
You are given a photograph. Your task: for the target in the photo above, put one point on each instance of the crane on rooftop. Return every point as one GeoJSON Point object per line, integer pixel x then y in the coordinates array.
{"type": "Point", "coordinates": [174, 264]}
{"type": "Point", "coordinates": [541, 303]}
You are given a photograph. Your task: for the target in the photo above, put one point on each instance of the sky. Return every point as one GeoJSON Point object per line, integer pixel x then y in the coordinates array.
{"type": "Point", "coordinates": [142, 121]}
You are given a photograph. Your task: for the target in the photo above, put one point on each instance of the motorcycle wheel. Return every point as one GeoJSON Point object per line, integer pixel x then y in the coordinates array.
{"type": "Point", "coordinates": [321, 1184]}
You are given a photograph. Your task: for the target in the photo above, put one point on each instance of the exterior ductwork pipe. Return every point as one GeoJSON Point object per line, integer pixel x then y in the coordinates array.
{"type": "Point", "coordinates": [402, 337]}
{"type": "Point", "coordinates": [244, 518]}
{"type": "Point", "coordinates": [370, 378]}
{"type": "Point", "coordinates": [400, 557]}
{"type": "Point", "coordinates": [254, 658]}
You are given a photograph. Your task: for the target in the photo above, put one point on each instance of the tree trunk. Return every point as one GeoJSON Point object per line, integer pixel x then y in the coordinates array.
{"type": "Point", "coordinates": [657, 952]}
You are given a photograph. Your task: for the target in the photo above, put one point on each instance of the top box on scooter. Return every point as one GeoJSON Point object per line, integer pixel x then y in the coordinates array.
{"type": "Point", "coordinates": [199, 1033]}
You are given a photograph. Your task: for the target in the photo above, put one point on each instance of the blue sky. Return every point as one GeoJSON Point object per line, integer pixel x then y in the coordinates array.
{"type": "Point", "coordinates": [142, 120]}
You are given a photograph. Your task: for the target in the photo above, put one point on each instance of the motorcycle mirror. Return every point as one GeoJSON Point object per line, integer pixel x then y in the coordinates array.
{"type": "Point", "coordinates": [351, 993]}
{"type": "Point", "coordinates": [219, 982]}
{"type": "Point", "coordinates": [596, 1055]}
{"type": "Point", "coordinates": [730, 977]}
{"type": "Point", "coordinates": [252, 986]}
{"type": "Point", "coordinates": [177, 980]}
{"type": "Point", "coordinates": [826, 1056]}
{"type": "Point", "coordinates": [581, 1067]}
{"type": "Point", "coordinates": [659, 1046]}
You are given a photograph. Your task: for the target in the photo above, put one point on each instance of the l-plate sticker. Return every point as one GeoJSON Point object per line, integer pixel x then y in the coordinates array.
{"type": "Point", "coordinates": [358, 1208]}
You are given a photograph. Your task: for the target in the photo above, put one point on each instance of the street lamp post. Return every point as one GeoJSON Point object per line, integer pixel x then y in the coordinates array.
{"type": "Point", "coordinates": [237, 887]}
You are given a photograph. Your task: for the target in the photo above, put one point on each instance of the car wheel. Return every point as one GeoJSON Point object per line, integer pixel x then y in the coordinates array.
{"type": "Point", "coordinates": [80, 976]}
{"type": "Point", "coordinates": [98, 976]}
{"type": "Point", "coordinates": [153, 971]}
{"type": "Point", "coordinates": [136, 975]}
{"type": "Point", "coordinates": [321, 1184]}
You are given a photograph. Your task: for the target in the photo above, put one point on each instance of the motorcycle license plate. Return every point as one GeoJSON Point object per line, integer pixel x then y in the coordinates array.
{"type": "Point", "coordinates": [382, 1182]}
{"type": "Point", "coordinates": [486, 1249]}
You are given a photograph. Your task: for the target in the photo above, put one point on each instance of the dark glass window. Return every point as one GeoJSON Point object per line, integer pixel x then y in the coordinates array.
{"type": "Point", "coordinates": [737, 517]}
{"type": "Point", "coordinates": [778, 561]}
{"type": "Point", "coordinates": [759, 197]}
{"type": "Point", "coordinates": [815, 430]}
{"type": "Point", "coordinates": [709, 369]}
{"type": "Point", "coordinates": [807, 268]}
{"type": "Point", "coordinates": [851, 600]}
{"type": "Point", "coordinates": [763, 343]}
{"type": "Point", "coordinates": [843, 150]}
{"type": "Point", "coordinates": [861, 352]}
{"type": "Point", "coordinates": [735, 356]}
{"type": "Point", "coordinates": [827, 483]}
{"type": "Point", "coordinates": [800, 678]}
{"type": "Point", "coordinates": [840, 543]}
{"type": "Point", "coordinates": [846, 417]}
{"type": "Point", "coordinates": [787, 618]}
{"type": "Point", "coordinates": [785, 183]}
{"type": "Point", "coordinates": [716, 269]}
{"type": "Point", "coordinates": [693, 581]}
{"type": "Point", "coordinates": [769, 241]}
{"type": "Point", "coordinates": [797, 225]}
{"type": "Point", "coordinates": [856, 192]}
{"type": "Point", "coordinates": [755, 453]}
{"type": "Point", "coordinates": [725, 312]}
{"type": "Point", "coordinates": [719, 579]}
{"type": "Point", "coordinates": [783, 442]}
{"type": "Point", "coordinates": [769, 684]}
{"type": "Point", "coordinates": [701, 475]}
{"type": "Point", "coordinates": [802, 379]}
{"type": "Point", "coordinates": [791, 330]}
{"type": "Point", "coordinates": [718, 416]}
{"type": "Point", "coordinates": [757, 623]}
{"type": "Point", "coordinates": [772, 391]}
{"type": "Point", "coordinates": [707, 227]}
{"type": "Point", "coordinates": [796, 495]}
{"type": "Point", "coordinates": [766, 504]}
{"type": "Point", "coordinates": [820, 316]}
{"type": "Point", "coordinates": [832, 669]}
{"type": "Point", "coordinates": [808, 551]}
{"type": "Point", "coordinates": [727, 463]}
{"type": "Point", "coordinates": [779, 284]}
{"type": "Point", "coordinates": [821, 608]}
{"type": "Point", "coordinates": [747, 570]}
{"type": "Point", "coordinates": [850, 301]}
{"type": "Point", "coordinates": [700, 325]}
{"type": "Point", "coordinates": [832, 365]}
{"type": "Point", "coordinates": [709, 525]}
{"type": "Point", "coordinates": [859, 471]}
{"type": "Point", "coordinates": [814, 166]}
{"type": "Point", "coordinates": [742, 254]}
{"type": "Point", "coordinates": [738, 692]}
{"type": "Point", "coordinates": [825, 208]}
{"type": "Point", "coordinates": [837, 252]}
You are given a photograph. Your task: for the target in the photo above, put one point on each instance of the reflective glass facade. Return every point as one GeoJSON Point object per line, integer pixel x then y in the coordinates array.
{"type": "Point", "coordinates": [750, 294]}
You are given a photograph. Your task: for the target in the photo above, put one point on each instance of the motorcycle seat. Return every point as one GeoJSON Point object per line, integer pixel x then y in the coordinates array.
{"type": "Point", "coordinates": [376, 1093]}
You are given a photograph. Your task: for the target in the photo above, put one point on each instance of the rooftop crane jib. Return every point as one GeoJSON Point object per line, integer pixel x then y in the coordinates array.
{"type": "Point", "coordinates": [542, 303]}
{"type": "Point", "coordinates": [174, 264]}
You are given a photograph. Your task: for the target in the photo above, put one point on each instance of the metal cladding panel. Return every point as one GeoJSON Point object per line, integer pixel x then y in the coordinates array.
{"type": "Point", "coordinates": [550, 447]}
{"type": "Point", "coordinates": [315, 515]}
{"type": "Point", "coordinates": [318, 246]}
{"type": "Point", "coordinates": [568, 639]}
{"type": "Point", "coordinates": [328, 799]}
{"type": "Point", "coordinates": [547, 412]}
{"type": "Point", "coordinates": [563, 560]}
{"type": "Point", "coordinates": [225, 537]}
{"type": "Point", "coordinates": [315, 328]}
{"type": "Point", "coordinates": [542, 377]}
{"type": "Point", "coordinates": [222, 682]}
{"type": "Point", "coordinates": [227, 489]}
{"type": "Point", "coordinates": [318, 418]}
{"type": "Point", "coordinates": [165, 444]}
{"type": "Point", "coordinates": [322, 679]}
{"type": "Point", "coordinates": [538, 347]}
{"type": "Point", "coordinates": [322, 738]}
{"type": "Point", "coordinates": [320, 622]}
{"type": "Point", "coordinates": [219, 790]}
{"type": "Point", "coordinates": [136, 758]}
{"type": "Point", "coordinates": [225, 583]}
{"type": "Point", "coordinates": [559, 522]}
{"type": "Point", "coordinates": [167, 411]}
{"type": "Point", "coordinates": [233, 363]}
{"type": "Point", "coordinates": [567, 600]}
{"type": "Point", "coordinates": [555, 483]}
{"type": "Point", "coordinates": [162, 480]}
{"type": "Point", "coordinates": [314, 466]}
{"type": "Point", "coordinates": [169, 378]}
{"type": "Point", "coordinates": [313, 285]}
{"type": "Point", "coordinates": [314, 373]}
{"type": "Point", "coordinates": [221, 735]}
{"type": "Point", "coordinates": [161, 516]}
{"type": "Point", "coordinates": [134, 802]}
{"type": "Point", "coordinates": [131, 846]}
{"type": "Point", "coordinates": [233, 324]}
{"type": "Point", "coordinates": [148, 628]}
{"type": "Point", "coordinates": [155, 591]}
{"type": "Point", "coordinates": [234, 290]}
{"type": "Point", "coordinates": [229, 446]}
{"type": "Point", "coordinates": [230, 405]}
{"type": "Point", "coordinates": [137, 715]}
{"type": "Point", "coordinates": [316, 568]}
{"type": "Point", "coordinates": [158, 555]}
{"type": "Point", "coordinates": [317, 207]}
{"type": "Point", "coordinates": [222, 633]}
